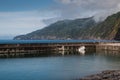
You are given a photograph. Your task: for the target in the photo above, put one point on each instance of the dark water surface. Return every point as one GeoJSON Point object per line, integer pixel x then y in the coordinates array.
{"type": "Point", "coordinates": [67, 67]}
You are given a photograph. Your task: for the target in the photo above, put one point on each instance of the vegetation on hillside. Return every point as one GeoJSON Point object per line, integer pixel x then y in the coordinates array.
{"type": "Point", "coordinates": [85, 28]}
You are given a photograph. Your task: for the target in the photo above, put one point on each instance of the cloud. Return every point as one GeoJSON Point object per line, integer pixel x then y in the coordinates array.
{"type": "Point", "coordinates": [17, 23]}
{"type": "Point", "coordinates": [85, 8]}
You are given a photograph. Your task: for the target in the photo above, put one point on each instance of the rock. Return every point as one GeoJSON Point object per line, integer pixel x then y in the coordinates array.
{"type": "Point", "coordinates": [104, 75]}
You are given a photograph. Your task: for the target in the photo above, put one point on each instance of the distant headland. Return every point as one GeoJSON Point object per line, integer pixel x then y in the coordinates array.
{"type": "Point", "coordinates": [84, 28]}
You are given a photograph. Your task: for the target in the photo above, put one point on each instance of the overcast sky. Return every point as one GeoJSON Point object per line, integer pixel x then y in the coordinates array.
{"type": "Point", "coordinates": [19, 17]}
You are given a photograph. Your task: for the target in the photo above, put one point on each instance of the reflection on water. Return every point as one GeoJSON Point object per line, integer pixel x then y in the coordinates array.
{"type": "Point", "coordinates": [41, 54]}
{"type": "Point", "coordinates": [108, 52]}
{"type": "Point", "coordinates": [81, 51]}
{"type": "Point", "coordinates": [63, 53]}
{"type": "Point", "coordinates": [59, 66]}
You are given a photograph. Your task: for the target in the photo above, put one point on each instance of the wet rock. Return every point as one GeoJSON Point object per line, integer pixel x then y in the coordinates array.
{"type": "Point", "coordinates": [104, 75]}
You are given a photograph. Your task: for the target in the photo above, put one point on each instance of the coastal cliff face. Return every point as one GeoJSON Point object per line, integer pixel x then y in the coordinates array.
{"type": "Point", "coordinates": [85, 28]}
{"type": "Point", "coordinates": [108, 29]}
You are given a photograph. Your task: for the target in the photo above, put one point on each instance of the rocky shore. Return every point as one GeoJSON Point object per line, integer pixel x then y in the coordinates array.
{"type": "Point", "coordinates": [104, 75]}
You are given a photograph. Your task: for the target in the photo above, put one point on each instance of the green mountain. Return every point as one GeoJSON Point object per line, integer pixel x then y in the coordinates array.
{"type": "Point", "coordinates": [66, 29]}
{"type": "Point", "coordinates": [85, 28]}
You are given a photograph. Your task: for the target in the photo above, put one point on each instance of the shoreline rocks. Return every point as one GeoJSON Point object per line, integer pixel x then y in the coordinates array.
{"type": "Point", "coordinates": [104, 75]}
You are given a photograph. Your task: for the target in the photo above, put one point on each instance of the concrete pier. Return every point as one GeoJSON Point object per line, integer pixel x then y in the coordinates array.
{"type": "Point", "coordinates": [20, 48]}
{"type": "Point", "coordinates": [37, 48]}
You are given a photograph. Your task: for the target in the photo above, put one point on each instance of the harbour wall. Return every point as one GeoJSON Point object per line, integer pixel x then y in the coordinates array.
{"type": "Point", "coordinates": [36, 49]}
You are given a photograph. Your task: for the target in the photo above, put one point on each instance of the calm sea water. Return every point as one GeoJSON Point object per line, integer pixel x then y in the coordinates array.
{"type": "Point", "coordinates": [67, 67]}
{"type": "Point", "coordinates": [50, 41]}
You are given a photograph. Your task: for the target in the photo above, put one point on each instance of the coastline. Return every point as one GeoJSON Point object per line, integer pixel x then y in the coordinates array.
{"type": "Point", "coordinates": [104, 75]}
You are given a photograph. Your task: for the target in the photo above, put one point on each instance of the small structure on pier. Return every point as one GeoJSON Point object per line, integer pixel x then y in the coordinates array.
{"type": "Point", "coordinates": [82, 49]}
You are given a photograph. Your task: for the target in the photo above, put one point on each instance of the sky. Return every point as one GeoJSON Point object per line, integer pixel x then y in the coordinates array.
{"type": "Point", "coordinates": [18, 17]}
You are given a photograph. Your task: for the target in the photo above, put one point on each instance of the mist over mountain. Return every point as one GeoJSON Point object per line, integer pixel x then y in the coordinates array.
{"type": "Point", "coordinates": [84, 28]}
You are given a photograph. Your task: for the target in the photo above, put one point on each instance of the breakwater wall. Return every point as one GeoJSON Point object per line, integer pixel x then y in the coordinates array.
{"type": "Point", "coordinates": [38, 48]}
{"type": "Point", "coordinates": [112, 48]}
{"type": "Point", "coordinates": [108, 46]}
